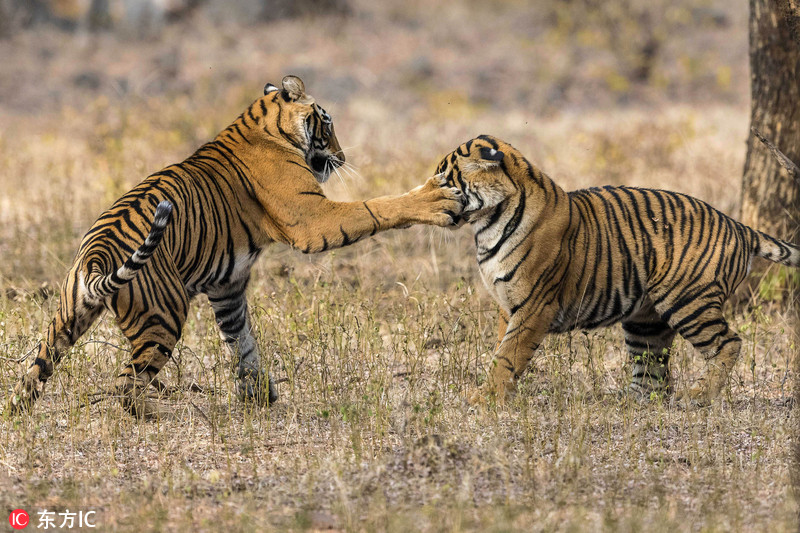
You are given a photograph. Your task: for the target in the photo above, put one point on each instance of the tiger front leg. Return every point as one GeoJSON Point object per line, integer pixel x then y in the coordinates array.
{"type": "Point", "coordinates": [431, 203]}
{"type": "Point", "coordinates": [522, 338]}
{"type": "Point", "coordinates": [30, 387]}
{"type": "Point", "coordinates": [320, 224]}
{"type": "Point", "coordinates": [233, 319]}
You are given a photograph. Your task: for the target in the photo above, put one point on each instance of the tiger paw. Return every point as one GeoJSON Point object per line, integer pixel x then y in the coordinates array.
{"type": "Point", "coordinates": [484, 396]}
{"type": "Point", "coordinates": [478, 397]}
{"type": "Point", "coordinates": [256, 387]}
{"type": "Point", "coordinates": [134, 399]}
{"type": "Point", "coordinates": [643, 393]}
{"type": "Point", "coordinates": [708, 387]}
{"type": "Point", "coordinates": [436, 203]}
{"type": "Point", "coordinates": [697, 396]}
{"type": "Point", "coordinates": [25, 394]}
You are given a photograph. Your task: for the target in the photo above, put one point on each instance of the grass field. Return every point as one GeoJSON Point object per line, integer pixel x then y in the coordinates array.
{"type": "Point", "coordinates": [376, 345]}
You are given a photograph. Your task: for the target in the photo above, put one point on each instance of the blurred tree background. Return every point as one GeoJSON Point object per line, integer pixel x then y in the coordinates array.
{"type": "Point", "coordinates": [146, 17]}
{"type": "Point", "coordinates": [580, 52]}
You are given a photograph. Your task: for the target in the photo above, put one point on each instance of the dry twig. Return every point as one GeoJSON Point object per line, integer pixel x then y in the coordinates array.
{"type": "Point", "coordinates": [785, 162]}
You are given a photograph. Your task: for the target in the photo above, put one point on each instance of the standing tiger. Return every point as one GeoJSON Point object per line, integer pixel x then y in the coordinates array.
{"type": "Point", "coordinates": [198, 227]}
{"type": "Point", "coordinates": [659, 262]}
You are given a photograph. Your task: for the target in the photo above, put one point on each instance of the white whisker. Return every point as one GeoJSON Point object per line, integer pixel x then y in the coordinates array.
{"type": "Point", "coordinates": [348, 171]}
{"type": "Point", "coordinates": [326, 171]}
{"type": "Point", "coordinates": [342, 170]}
{"type": "Point", "coordinates": [351, 170]}
{"type": "Point", "coordinates": [349, 165]}
{"type": "Point", "coordinates": [341, 180]}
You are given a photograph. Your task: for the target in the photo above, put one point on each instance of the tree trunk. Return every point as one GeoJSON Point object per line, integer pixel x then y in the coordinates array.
{"type": "Point", "coordinates": [5, 19]}
{"type": "Point", "coordinates": [99, 15]}
{"type": "Point", "coordinates": [273, 10]}
{"type": "Point", "coordinates": [769, 195]}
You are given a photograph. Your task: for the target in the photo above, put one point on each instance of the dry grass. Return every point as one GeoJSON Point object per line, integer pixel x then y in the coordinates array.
{"type": "Point", "coordinates": [377, 344]}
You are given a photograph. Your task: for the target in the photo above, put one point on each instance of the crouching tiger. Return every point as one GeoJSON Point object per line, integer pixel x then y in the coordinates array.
{"type": "Point", "coordinates": [659, 262]}
{"type": "Point", "coordinates": [198, 227]}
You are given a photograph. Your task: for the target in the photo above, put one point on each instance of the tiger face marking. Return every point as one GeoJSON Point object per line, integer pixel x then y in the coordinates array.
{"type": "Point", "coordinates": [308, 125]}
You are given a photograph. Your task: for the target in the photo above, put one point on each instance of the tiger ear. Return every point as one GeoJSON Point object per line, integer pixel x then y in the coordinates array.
{"type": "Point", "coordinates": [490, 154]}
{"type": "Point", "coordinates": [293, 88]}
{"type": "Point", "coordinates": [269, 88]}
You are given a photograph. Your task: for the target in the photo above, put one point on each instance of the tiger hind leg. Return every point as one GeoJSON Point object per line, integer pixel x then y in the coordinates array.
{"type": "Point", "coordinates": [649, 340]}
{"type": "Point", "coordinates": [233, 319]}
{"type": "Point", "coordinates": [704, 326]}
{"type": "Point", "coordinates": [151, 311]}
{"type": "Point", "coordinates": [74, 317]}
{"type": "Point", "coordinates": [151, 351]}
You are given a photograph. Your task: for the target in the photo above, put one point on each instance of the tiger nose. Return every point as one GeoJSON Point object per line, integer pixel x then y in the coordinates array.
{"type": "Point", "coordinates": [338, 153]}
{"type": "Point", "coordinates": [335, 147]}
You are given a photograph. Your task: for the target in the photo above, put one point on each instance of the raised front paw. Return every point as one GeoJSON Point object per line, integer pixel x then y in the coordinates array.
{"type": "Point", "coordinates": [437, 203]}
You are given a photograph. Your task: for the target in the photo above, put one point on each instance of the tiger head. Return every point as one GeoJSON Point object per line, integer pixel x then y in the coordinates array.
{"type": "Point", "coordinates": [478, 169]}
{"type": "Point", "coordinates": [304, 123]}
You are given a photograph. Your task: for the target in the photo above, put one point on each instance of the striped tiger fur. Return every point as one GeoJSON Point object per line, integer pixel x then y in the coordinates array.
{"type": "Point", "coordinates": [197, 228]}
{"type": "Point", "coordinates": [659, 262]}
